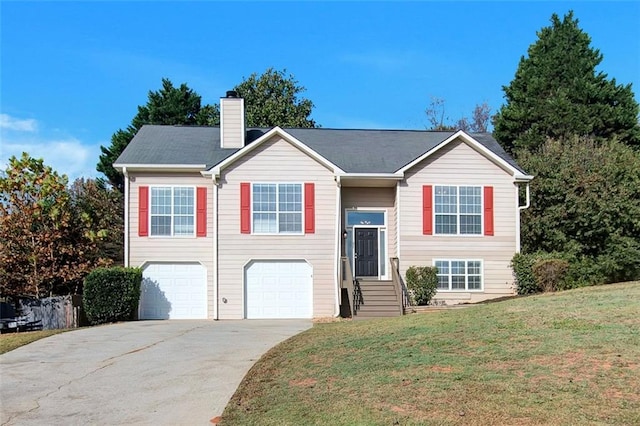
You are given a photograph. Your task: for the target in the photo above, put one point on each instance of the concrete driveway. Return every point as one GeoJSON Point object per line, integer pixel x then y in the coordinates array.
{"type": "Point", "coordinates": [146, 372]}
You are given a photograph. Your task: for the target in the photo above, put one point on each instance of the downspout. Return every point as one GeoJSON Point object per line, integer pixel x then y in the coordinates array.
{"type": "Point", "coordinates": [215, 249]}
{"type": "Point", "coordinates": [398, 220]}
{"type": "Point", "coordinates": [518, 210]}
{"type": "Point", "coordinates": [528, 202]}
{"type": "Point", "coordinates": [338, 235]}
{"type": "Point", "coordinates": [126, 217]}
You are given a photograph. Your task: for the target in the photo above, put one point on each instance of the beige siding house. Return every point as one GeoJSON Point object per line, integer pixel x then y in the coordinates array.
{"type": "Point", "coordinates": [494, 252]}
{"type": "Point", "coordinates": [232, 223]}
{"type": "Point", "coordinates": [239, 250]}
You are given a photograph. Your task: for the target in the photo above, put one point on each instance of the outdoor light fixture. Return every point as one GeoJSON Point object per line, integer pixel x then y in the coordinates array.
{"type": "Point", "coordinates": [344, 234]}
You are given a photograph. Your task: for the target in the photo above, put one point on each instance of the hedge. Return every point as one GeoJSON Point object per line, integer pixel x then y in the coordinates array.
{"type": "Point", "coordinates": [112, 294]}
{"type": "Point", "coordinates": [542, 271]}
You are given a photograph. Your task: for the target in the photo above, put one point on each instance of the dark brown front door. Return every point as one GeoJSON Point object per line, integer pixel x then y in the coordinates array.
{"type": "Point", "coordinates": [366, 253]}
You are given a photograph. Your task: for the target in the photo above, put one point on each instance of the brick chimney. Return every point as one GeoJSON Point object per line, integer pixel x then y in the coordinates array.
{"type": "Point", "coordinates": [232, 131]}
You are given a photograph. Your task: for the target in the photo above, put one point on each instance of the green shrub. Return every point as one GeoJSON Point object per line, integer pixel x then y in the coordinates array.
{"type": "Point", "coordinates": [112, 294]}
{"type": "Point", "coordinates": [580, 271]}
{"type": "Point", "coordinates": [527, 282]}
{"type": "Point", "coordinates": [585, 202]}
{"type": "Point", "coordinates": [522, 265]}
{"type": "Point", "coordinates": [550, 274]}
{"type": "Point", "coordinates": [422, 282]}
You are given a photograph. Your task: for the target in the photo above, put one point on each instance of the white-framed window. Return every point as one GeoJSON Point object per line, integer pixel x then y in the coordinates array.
{"type": "Point", "coordinates": [458, 210]}
{"type": "Point", "coordinates": [277, 208]}
{"type": "Point", "coordinates": [172, 211]}
{"type": "Point", "coordinates": [459, 275]}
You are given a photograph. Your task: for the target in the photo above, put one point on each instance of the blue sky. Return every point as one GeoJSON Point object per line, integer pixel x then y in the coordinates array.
{"type": "Point", "coordinates": [72, 73]}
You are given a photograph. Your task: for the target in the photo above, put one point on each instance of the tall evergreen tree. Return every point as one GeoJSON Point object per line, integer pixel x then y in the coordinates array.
{"type": "Point", "coordinates": [170, 105]}
{"type": "Point", "coordinates": [557, 92]}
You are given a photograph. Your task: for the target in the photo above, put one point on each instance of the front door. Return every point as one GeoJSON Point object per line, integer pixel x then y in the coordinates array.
{"type": "Point", "coordinates": [366, 252]}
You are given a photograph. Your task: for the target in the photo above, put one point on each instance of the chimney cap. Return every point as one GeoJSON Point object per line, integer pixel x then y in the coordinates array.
{"type": "Point", "coordinates": [232, 94]}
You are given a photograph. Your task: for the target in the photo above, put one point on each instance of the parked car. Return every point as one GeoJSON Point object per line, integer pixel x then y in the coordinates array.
{"type": "Point", "coordinates": [9, 322]}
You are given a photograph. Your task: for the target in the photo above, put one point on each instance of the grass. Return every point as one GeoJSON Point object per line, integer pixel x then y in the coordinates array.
{"type": "Point", "coordinates": [11, 341]}
{"type": "Point", "coordinates": [566, 358]}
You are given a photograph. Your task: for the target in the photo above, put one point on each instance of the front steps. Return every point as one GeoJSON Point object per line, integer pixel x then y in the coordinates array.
{"type": "Point", "coordinates": [379, 299]}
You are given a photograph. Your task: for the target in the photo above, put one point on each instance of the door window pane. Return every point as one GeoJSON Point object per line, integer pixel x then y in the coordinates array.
{"type": "Point", "coordinates": [365, 218]}
{"type": "Point", "coordinates": [383, 252]}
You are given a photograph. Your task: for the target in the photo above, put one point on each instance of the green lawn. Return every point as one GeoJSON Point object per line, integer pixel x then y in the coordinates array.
{"type": "Point", "coordinates": [564, 358]}
{"type": "Point", "coordinates": [11, 341]}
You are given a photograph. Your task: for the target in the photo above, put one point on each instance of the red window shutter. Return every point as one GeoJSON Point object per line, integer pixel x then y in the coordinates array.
{"type": "Point", "coordinates": [201, 212]}
{"type": "Point", "coordinates": [143, 211]}
{"type": "Point", "coordinates": [427, 210]}
{"type": "Point", "coordinates": [309, 208]}
{"type": "Point", "coordinates": [488, 210]}
{"type": "Point", "coordinates": [245, 208]}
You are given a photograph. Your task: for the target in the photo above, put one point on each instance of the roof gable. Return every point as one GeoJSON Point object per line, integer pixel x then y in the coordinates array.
{"type": "Point", "coordinates": [276, 131]}
{"type": "Point", "coordinates": [494, 153]}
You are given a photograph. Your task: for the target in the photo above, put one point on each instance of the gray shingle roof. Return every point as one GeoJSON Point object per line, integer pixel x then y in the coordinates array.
{"type": "Point", "coordinates": [354, 151]}
{"type": "Point", "coordinates": [369, 151]}
{"type": "Point", "coordinates": [192, 145]}
{"type": "Point", "coordinates": [489, 141]}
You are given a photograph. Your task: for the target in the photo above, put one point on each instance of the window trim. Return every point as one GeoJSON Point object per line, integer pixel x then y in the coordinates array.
{"type": "Point", "coordinates": [195, 213]}
{"type": "Point", "coordinates": [466, 275]}
{"type": "Point", "coordinates": [458, 234]}
{"type": "Point", "coordinates": [302, 208]}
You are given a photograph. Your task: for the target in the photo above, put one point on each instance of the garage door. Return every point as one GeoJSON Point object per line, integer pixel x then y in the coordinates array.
{"type": "Point", "coordinates": [174, 291]}
{"type": "Point", "coordinates": [279, 289]}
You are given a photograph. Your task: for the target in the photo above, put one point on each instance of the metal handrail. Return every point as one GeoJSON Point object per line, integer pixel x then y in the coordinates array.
{"type": "Point", "coordinates": [357, 296]}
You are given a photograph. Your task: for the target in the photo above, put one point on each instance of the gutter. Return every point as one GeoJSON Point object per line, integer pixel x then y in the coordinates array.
{"type": "Point", "coordinates": [373, 176]}
{"type": "Point", "coordinates": [143, 167]}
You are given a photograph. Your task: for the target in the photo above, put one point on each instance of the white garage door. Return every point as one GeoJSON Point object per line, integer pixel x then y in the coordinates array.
{"type": "Point", "coordinates": [279, 289]}
{"type": "Point", "coordinates": [173, 291]}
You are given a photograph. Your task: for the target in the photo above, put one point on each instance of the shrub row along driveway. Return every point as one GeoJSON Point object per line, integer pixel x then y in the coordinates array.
{"type": "Point", "coordinates": [147, 372]}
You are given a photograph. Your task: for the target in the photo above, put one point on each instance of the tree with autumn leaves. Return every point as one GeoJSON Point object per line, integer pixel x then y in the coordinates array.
{"type": "Point", "coordinates": [50, 235]}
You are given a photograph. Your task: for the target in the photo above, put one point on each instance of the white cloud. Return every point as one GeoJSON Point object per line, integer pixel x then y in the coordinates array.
{"type": "Point", "coordinates": [10, 123]}
{"type": "Point", "coordinates": [70, 157]}
{"type": "Point", "coordinates": [66, 155]}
